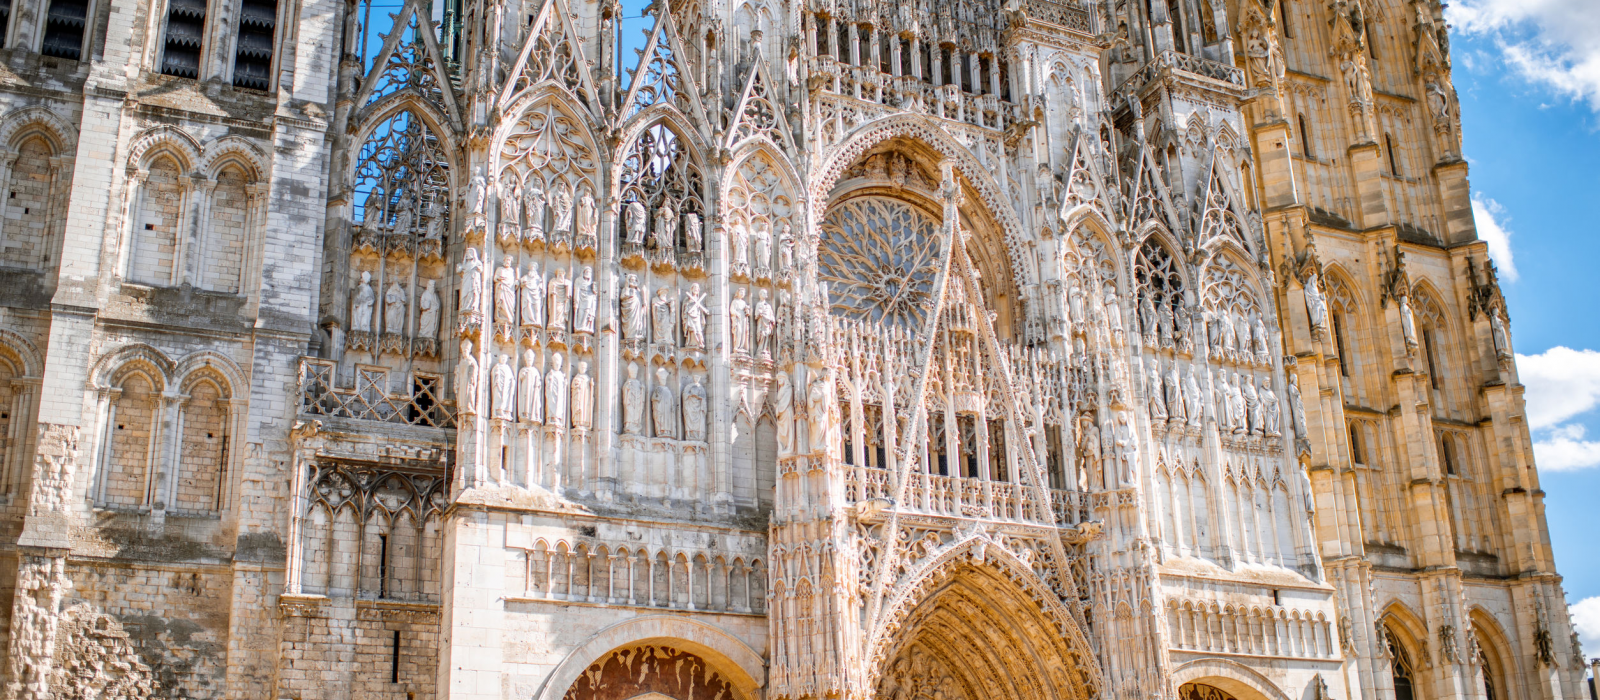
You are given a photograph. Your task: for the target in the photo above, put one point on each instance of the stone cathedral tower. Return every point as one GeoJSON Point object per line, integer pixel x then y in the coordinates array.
{"type": "Point", "coordinates": [539, 349]}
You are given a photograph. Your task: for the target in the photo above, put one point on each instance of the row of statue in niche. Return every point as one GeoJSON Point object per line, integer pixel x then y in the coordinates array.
{"type": "Point", "coordinates": [529, 299]}
{"type": "Point", "coordinates": [523, 212]}
{"type": "Point", "coordinates": [549, 397]}
{"type": "Point", "coordinates": [1244, 406]}
{"type": "Point", "coordinates": [1224, 335]}
{"type": "Point", "coordinates": [365, 316]}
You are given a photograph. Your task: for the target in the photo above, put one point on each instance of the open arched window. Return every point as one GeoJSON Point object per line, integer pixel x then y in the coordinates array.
{"type": "Point", "coordinates": [1402, 669]}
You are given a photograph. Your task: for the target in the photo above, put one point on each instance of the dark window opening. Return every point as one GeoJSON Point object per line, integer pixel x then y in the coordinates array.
{"type": "Point", "coordinates": [1447, 453]}
{"type": "Point", "coordinates": [1356, 454]}
{"type": "Point", "coordinates": [394, 659]}
{"type": "Point", "coordinates": [383, 566]}
{"type": "Point", "coordinates": [252, 63]}
{"type": "Point", "coordinates": [63, 29]}
{"type": "Point", "coordinates": [1372, 42]}
{"type": "Point", "coordinates": [1433, 364]}
{"type": "Point", "coordinates": [1338, 341]}
{"type": "Point", "coordinates": [1283, 19]}
{"type": "Point", "coordinates": [885, 52]}
{"type": "Point", "coordinates": [842, 50]}
{"type": "Point", "coordinates": [5, 19]}
{"type": "Point", "coordinates": [186, 27]}
{"type": "Point", "coordinates": [849, 453]}
{"type": "Point", "coordinates": [1305, 137]}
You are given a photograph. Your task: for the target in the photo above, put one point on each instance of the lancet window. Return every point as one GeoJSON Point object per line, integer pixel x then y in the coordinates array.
{"type": "Point", "coordinates": [400, 209]}
{"type": "Point", "coordinates": [659, 170]}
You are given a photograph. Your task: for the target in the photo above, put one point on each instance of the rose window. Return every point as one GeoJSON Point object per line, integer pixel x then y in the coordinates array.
{"type": "Point", "coordinates": [879, 257]}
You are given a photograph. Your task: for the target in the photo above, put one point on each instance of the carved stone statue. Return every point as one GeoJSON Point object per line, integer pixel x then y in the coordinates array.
{"type": "Point", "coordinates": [1271, 411]}
{"type": "Point", "coordinates": [1173, 386]}
{"type": "Point", "coordinates": [505, 291]}
{"type": "Point", "coordinates": [632, 402]}
{"type": "Point", "coordinates": [785, 248]}
{"type": "Point", "coordinates": [561, 207]}
{"type": "Point", "coordinates": [1193, 403]}
{"type": "Point", "coordinates": [1252, 405]}
{"type": "Point", "coordinates": [694, 317]}
{"type": "Point", "coordinates": [403, 217]}
{"type": "Point", "coordinates": [666, 220]}
{"type": "Point", "coordinates": [1297, 409]}
{"type": "Point", "coordinates": [783, 408]}
{"type": "Point", "coordinates": [1408, 322]}
{"type": "Point", "coordinates": [585, 302]}
{"type": "Point", "coordinates": [694, 410]}
{"type": "Point", "coordinates": [504, 381]}
{"type": "Point", "coordinates": [510, 204]}
{"type": "Point", "coordinates": [1153, 395]}
{"type": "Point", "coordinates": [766, 323]}
{"type": "Point", "coordinates": [361, 305]}
{"type": "Point", "coordinates": [740, 246]}
{"type": "Point", "coordinates": [1075, 310]}
{"type": "Point", "coordinates": [586, 214]}
{"type": "Point", "coordinates": [467, 380]}
{"type": "Point", "coordinates": [1147, 319]}
{"type": "Point", "coordinates": [394, 309]}
{"type": "Point", "coordinates": [632, 309]}
{"type": "Point", "coordinates": [1316, 303]}
{"type": "Point", "coordinates": [555, 394]}
{"type": "Point", "coordinates": [1113, 314]}
{"type": "Point", "coordinates": [1258, 337]}
{"type": "Point", "coordinates": [1127, 452]}
{"type": "Point", "coordinates": [531, 300]}
{"type": "Point", "coordinates": [1241, 413]}
{"type": "Point", "coordinates": [471, 270]}
{"type": "Point", "coordinates": [428, 312]}
{"type": "Point", "coordinates": [739, 321]}
{"type": "Point", "coordinates": [636, 220]}
{"type": "Point", "coordinates": [582, 397]}
{"type": "Point", "coordinates": [1498, 331]}
{"type": "Point", "coordinates": [558, 295]}
{"type": "Point", "coordinates": [1165, 323]}
{"type": "Point", "coordinates": [1090, 454]}
{"type": "Point", "coordinates": [1223, 402]}
{"type": "Point", "coordinates": [435, 230]}
{"type": "Point", "coordinates": [530, 384]}
{"type": "Point", "coordinates": [694, 235]}
{"type": "Point", "coordinates": [663, 319]}
{"type": "Point", "coordinates": [817, 415]}
{"type": "Point", "coordinates": [478, 198]}
{"type": "Point", "coordinates": [533, 203]}
{"type": "Point", "coordinates": [663, 417]}
{"type": "Point", "coordinates": [762, 238]}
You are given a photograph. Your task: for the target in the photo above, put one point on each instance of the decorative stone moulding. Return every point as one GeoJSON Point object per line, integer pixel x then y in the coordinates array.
{"type": "Point", "coordinates": [692, 263]}
{"type": "Point", "coordinates": [392, 344]}
{"type": "Point", "coordinates": [469, 324]}
{"type": "Point", "coordinates": [365, 240]}
{"type": "Point", "coordinates": [425, 347]}
{"type": "Point", "coordinates": [358, 340]}
{"type": "Point", "coordinates": [430, 250]}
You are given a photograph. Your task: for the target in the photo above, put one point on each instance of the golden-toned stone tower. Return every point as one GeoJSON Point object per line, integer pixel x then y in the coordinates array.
{"type": "Point", "coordinates": [594, 350]}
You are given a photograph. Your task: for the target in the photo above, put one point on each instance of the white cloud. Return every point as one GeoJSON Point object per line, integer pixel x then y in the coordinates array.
{"type": "Point", "coordinates": [1586, 620]}
{"type": "Point", "coordinates": [1561, 382]}
{"type": "Point", "coordinates": [1489, 214]}
{"type": "Point", "coordinates": [1553, 42]}
{"type": "Point", "coordinates": [1565, 450]}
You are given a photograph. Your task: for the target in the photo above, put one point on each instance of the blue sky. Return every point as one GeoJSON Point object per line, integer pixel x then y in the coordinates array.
{"type": "Point", "coordinates": [1528, 75]}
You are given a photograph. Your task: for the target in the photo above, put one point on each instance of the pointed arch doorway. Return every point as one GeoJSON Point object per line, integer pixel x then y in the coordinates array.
{"type": "Point", "coordinates": [980, 632]}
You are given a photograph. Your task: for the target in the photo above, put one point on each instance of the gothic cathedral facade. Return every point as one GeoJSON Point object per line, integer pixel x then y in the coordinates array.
{"type": "Point", "coordinates": [690, 349]}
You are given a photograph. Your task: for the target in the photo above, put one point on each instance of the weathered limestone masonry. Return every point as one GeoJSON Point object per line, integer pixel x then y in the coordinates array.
{"type": "Point", "coordinates": [691, 349]}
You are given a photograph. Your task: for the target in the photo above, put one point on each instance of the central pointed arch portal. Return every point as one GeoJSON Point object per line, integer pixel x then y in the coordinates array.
{"type": "Point", "coordinates": [916, 244]}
